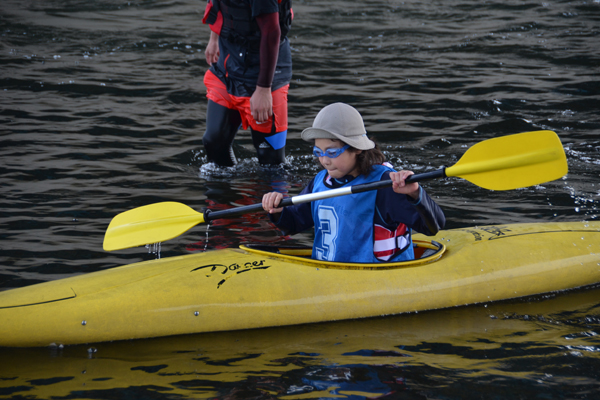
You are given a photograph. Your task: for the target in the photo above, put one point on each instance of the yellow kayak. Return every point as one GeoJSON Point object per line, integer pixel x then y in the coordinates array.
{"type": "Point", "coordinates": [234, 358]}
{"type": "Point", "coordinates": [259, 286]}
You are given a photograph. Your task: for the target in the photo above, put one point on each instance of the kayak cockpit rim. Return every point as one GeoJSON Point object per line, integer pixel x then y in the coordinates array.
{"type": "Point", "coordinates": [425, 252]}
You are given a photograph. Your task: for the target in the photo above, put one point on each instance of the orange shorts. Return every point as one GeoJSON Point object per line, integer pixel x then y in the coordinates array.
{"type": "Point", "coordinates": [217, 92]}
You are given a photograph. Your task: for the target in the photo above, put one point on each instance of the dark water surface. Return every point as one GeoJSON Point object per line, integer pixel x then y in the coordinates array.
{"type": "Point", "coordinates": [102, 109]}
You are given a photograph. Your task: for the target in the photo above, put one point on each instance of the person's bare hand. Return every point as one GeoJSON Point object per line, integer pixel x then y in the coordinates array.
{"type": "Point", "coordinates": [400, 186]}
{"type": "Point", "coordinates": [212, 51]}
{"type": "Point", "coordinates": [261, 104]}
{"type": "Point", "coordinates": [270, 201]}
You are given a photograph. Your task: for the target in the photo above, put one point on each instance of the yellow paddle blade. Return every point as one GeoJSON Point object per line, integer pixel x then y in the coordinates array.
{"type": "Point", "coordinates": [150, 224]}
{"type": "Point", "coordinates": [513, 161]}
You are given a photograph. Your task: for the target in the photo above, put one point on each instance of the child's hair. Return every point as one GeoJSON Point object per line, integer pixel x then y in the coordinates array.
{"type": "Point", "coordinates": [368, 158]}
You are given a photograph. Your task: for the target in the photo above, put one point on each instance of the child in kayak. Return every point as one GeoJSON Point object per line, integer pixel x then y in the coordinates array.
{"type": "Point", "coordinates": [373, 226]}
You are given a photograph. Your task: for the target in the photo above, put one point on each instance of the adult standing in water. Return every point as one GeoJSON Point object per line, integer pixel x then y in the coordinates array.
{"type": "Point", "coordinates": [248, 81]}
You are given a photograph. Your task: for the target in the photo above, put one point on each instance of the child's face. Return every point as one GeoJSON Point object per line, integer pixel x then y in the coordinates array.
{"type": "Point", "coordinates": [344, 164]}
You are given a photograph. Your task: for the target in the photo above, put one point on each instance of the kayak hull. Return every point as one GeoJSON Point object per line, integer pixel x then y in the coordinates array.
{"type": "Point", "coordinates": [235, 289]}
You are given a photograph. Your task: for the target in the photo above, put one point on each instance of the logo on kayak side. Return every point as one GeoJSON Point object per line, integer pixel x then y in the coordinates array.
{"type": "Point", "coordinates": [488, 232]}
{"type": "Point", "coordinates": [232, 270]}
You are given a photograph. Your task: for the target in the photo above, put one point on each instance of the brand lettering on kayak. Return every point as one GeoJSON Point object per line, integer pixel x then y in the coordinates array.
{"type": "Point", "coordinates": [494, 231]}
{"type": "Point", "coordinates": [232, 270]}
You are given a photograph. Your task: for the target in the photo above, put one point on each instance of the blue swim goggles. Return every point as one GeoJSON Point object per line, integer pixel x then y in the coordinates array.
{"type": "Point", "coordinates": [331, 153]}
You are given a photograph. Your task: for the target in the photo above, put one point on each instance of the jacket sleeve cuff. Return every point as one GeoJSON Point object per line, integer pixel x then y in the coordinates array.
{"type": "Point", "coordinates": [417, 201]}
{"type": "Point", "coordinates": [275, 220]}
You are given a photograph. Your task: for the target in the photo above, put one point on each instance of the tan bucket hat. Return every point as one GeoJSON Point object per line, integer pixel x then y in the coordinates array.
{"type": "Point", "coordinates": [339, 121]}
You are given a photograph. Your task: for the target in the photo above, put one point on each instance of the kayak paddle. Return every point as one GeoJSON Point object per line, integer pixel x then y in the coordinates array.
{"type": "Point", "coordinates": [503, 163]}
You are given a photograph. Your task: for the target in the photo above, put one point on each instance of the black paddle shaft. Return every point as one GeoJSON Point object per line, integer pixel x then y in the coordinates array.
{"type": "Point", "coordinates": [365, 187]}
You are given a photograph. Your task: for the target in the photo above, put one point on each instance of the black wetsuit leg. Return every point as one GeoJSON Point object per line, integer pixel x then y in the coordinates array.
{"type": "Point", "coordinates": [267, 155]}
{"type": "Point", "coordinates": [222, 124]}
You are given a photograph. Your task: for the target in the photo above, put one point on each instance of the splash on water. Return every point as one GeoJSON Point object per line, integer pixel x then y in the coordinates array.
{"type": "Point", "coordinates": [154, 249]}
